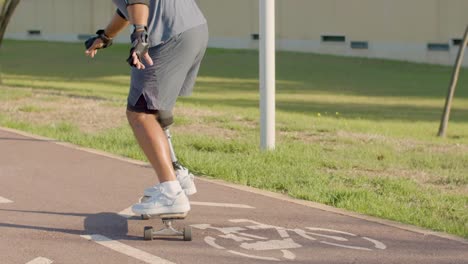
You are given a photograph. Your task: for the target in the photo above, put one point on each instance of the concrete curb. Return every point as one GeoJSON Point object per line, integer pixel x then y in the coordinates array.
{"type": "Point", "coordinates": [269, 194]}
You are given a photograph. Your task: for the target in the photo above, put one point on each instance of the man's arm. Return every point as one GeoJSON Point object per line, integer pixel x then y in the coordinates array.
{"type": "Point", "coordinates": [117, 24]}
{"type": "Point", "coordinates": [138, 12]}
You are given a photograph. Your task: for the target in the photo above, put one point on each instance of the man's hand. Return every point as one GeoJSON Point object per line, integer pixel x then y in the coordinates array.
{"type": "Point", "coordinates": [139, 49]}
{"type": "Point", "coordinates": [101, 41]}
{"type": "Point", "coordinates": [92, 50]}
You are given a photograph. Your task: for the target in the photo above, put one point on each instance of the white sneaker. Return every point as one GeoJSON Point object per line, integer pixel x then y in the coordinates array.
{"type": "Point", "coordinates": [162, 204]}
{"type": "Point", "coordinates": [185, 179]}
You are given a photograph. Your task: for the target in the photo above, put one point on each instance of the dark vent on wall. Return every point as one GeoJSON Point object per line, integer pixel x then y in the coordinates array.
{"type": "Point", "coordinates": [34, 32]}
{"type": "Point", "coordinates": [255, 36]}
{"type": "Point", "coordinates": [438, 47]}
{"type": "Point", "coordinates": [359, 45]}
{"type": "Point", "coordinates": [333, 38]}
{"type": "Point", "coordinates": [457, 42]}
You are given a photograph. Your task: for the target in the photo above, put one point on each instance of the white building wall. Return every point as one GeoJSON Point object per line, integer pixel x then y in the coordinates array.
{"type": "Point", "coordinates": [393, 29]}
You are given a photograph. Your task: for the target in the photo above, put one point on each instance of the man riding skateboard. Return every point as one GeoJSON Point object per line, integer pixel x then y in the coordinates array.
{"type": "Point", "coordinates": [169, 40]}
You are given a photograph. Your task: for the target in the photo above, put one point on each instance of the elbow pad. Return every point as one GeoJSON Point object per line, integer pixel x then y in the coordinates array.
{"type": "Point", "coordinates": [133, 2]}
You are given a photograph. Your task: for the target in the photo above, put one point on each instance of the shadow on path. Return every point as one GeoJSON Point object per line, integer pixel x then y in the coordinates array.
{"type": "Point", "coordinates": [107, 224]}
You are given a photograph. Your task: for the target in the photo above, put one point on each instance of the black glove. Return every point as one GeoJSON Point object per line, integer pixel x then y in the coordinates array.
{"type": "Point", "coordinates": [100, 34]}
{"type": "Point", "coordinates": [140, 45]}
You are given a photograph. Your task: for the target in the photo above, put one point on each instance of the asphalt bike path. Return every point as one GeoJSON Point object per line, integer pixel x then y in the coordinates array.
{"type": "Point", "coordinates": [61, 204]}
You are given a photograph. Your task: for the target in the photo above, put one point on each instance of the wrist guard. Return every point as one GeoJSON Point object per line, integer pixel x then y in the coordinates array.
{"type": "Point", "coordinates": [101, 35]}
{"type": "Point", "coordinates": [140, 45]}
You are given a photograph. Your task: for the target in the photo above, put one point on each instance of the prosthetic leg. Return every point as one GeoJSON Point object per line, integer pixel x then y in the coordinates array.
{"type": "Point", "coordinates": [185, 178]}
{"type": "Point", "coordinates": [166, 119]}
{"type": "Point", "coordinates": [175, 161]}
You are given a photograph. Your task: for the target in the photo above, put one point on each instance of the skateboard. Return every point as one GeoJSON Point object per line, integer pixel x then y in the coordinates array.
{"type": "Point", "coordinates": [168, 231]}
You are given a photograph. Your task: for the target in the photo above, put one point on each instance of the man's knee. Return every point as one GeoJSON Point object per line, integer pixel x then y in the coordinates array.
{"type": "Point", "coordinates": [140, 111]}
{"type": "Point", "coordinates": [135, 117]}
{"type": "Point", "coordinates": [164, 118]}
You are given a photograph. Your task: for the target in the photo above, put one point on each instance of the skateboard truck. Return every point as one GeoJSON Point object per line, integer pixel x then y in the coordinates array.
{"type": "Point", "coordinates": [168, 230]}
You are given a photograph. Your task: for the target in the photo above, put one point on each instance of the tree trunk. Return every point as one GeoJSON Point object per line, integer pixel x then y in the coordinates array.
{"type": "Point", "coordinates": [8, 8]}
{"type": "Point", "coordinates": [453, 85]}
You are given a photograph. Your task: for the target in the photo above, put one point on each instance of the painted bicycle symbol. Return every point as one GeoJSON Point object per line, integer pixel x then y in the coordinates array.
{"type": "Point", "coordinates": [253, 244]}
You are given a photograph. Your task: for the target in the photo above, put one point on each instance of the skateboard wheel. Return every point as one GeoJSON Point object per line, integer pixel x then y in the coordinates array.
{"type": "Point", "coordinates": [148, 233]}
{"type": "Point", "coordinates": [187, 233]}
{"type": "Point", "coordinates": [145, 217]}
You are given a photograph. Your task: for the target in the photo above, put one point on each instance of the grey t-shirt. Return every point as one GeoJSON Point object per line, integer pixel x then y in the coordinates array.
{"type": "Point", "coordinates": [168, 18]}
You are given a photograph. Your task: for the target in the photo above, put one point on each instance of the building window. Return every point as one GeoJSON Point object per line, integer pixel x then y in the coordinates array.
{"type": "Point", "coordinates": [438, 47]}
{"type": "Point", "coordinates": [255, 36]}
{"type": "Point", "coordinates": [359, 45]}
{"type": "Point", "coordinates": [333, 38]}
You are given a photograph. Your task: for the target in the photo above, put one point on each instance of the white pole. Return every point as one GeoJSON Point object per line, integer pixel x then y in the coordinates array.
{"type": "Point", "coordinates": [267, 74]}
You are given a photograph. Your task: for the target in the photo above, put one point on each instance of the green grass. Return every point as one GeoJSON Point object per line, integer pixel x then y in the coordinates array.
{"type": "Point", "coordinates": [353, 133]}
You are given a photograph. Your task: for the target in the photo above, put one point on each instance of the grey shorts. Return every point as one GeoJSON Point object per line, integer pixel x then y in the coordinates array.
{"type": "Point", "coordinates": [173, 74]}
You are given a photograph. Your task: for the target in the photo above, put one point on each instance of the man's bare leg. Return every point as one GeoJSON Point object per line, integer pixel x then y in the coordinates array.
{"type": "Point", "coordinates": [153, 142]}
{"type": "Point", "coordinates": [169, 197]}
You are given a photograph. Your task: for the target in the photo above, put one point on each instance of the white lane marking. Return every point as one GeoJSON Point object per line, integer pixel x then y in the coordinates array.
{"type": "Point", "coordinates": [257, 225]}
{"type": "Point", "coordinates": [303, 233]}
{"type": "Point", "coordinates": [330, 230]}
{"type": "Point", "coordinates": [331, 237]}
{"type": "Point", "coordinates": [127, 212]}
{"type": "Point", "coordinates": [224, 230]}
{"type": "Point", "coordinates": [288, 254]}
{"type": "Point", "coordinates": [127, 250]}
{"type": "Point", "coordinates": [235, 237]}
{"type": "Point", "coordinates": [252, 236]}
{"type": "Point", "coordinates": [252, 256]}
{"type": "Point", "coordinates": [5, 200]}
{"type": "Point", "coordinates": [283, 233]}
{"type": "Point", "coordinates": [223, 205]}
{"type": "Point", "coordinates": [377, 244]}
{"type": "Point", "coordinates": [212, 242]}
{"type": "Point", "coordinates": [40, 260]}
{"type": "Point", "coordinates": [343, 246]}
{"type": "Point", "coordinates": [287, 243]}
